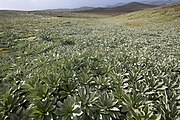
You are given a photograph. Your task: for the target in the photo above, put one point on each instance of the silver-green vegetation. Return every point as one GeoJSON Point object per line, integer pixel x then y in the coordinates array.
{"type": "Point", "coordinates": [68, 66]}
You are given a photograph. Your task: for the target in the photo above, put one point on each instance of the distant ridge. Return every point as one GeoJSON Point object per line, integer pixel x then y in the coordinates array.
{"type": "Point", "coordinates": [115, 5]}
{"type": "Point", "coordinates": [69, 10]}
{"type": "Point", "coordinates": [168, 14]}
{"type": "Point", "coordinates": [159, 2]}
{"type": "Point", "coordinates": [176, 6]}
{"type": "Point", "coordinates": [130, 7]}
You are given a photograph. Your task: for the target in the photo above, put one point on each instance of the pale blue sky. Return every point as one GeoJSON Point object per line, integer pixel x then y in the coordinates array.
{"type": "Point", "coordinates": [46, 4]}
{"type": "Point", "coordinates": [49, 4]}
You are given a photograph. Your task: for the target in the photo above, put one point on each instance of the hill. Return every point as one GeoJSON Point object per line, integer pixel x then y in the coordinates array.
{"type": "Point", "coordinates": [69, 10]}
{"type": "Point", "coordinates": [169, 14]}
{"type": "Point", "coordinates": [159, 2]}
{"type": "Point", "coordinates": [130, 7]}
{"type": "Point", "coordinates": [116, 5]}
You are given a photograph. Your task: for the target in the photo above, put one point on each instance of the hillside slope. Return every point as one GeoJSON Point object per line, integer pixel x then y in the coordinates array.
{"type": "Point", "coordinates": [130, 7]}
{"type": "Point", "coordinates": [159, 2]}
{"type": "Point", "coordinates": [169, 14]}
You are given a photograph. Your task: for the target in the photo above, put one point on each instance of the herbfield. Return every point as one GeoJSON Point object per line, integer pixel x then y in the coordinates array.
{"type": "Point", "coordinates": [78, 66]}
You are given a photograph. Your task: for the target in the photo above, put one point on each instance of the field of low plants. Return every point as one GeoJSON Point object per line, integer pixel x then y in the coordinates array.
{"type": "Point", "coordinates": [73, 66]}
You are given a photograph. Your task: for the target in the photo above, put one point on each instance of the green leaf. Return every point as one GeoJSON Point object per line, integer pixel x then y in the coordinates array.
{"type": "Point", "coordinates": [158, 117]}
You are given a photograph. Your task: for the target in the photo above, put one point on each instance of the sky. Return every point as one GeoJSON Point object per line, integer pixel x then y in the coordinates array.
{"type": "Point", "coordinates": [49, 4]}
{"type": "Point", "coordinates": [54, 4]}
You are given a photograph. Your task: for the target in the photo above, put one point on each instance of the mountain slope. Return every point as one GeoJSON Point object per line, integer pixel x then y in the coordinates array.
{"type": "Point", "coordinates": [169, 14]}
{"type": "Point", "coordinates": [130, 7]}
{"type": "Point", "coordinates": [69, 10]}
{"type": "Point", "coordinates": [116, 5]}
{"type": "Point", "coordinates": [159, 2]}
